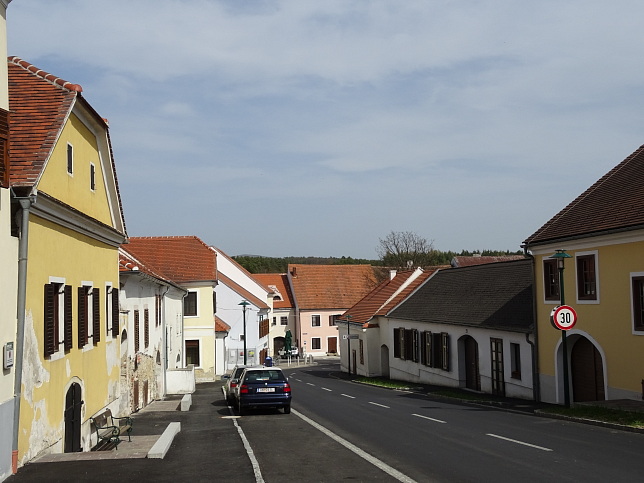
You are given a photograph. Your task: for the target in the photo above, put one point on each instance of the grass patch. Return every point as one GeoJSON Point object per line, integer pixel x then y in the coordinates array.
{"type": "Point", "coordinates": [598, 413]}
{"type": "Point", "coordinates": [388, 383]}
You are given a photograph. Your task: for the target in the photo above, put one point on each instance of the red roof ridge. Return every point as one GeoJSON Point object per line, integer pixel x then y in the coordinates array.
{"type": "Point", "coordinates": [52, 79]}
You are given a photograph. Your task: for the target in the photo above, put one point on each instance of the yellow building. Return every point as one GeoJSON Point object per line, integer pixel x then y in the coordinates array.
{"type": "Point", "coordinates": [70, 225]}
{"type": "Point", "coordinates": [602, 232]}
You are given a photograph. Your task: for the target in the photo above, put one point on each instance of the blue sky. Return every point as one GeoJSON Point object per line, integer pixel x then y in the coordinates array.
{"type": "Point", "coordinates": [315, 128]}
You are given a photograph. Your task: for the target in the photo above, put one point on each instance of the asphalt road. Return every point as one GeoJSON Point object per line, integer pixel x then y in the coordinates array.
{"type": "Point", "coordinates": [437, 441]}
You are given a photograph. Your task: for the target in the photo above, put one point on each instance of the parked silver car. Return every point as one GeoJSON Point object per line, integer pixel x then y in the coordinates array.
{"type": "Point", "coordinates": [232, 381]}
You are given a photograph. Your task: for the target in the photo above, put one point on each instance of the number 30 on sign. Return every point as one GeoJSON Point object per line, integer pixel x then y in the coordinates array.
{"type": "Point", "coordinates": [563, 317]}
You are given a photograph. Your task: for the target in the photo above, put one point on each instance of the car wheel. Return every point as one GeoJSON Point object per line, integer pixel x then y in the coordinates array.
{"type": "Point", "coordinates": [287, 409]}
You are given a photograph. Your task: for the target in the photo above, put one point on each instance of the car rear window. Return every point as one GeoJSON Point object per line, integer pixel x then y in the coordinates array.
{"type": "Point", "coordinates": [238, 372]}
{"type": "Point", "coordinates": [264, 376]}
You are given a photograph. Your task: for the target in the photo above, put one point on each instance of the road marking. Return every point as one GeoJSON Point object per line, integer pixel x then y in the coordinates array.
{"type": "Point", "coordinates": [327, 389]}
{"type": "Point", "coordinates": [346, 395]}
{"type": "Point", "coordinates": [249, 451]}
{"type": "Point", "coordinates": [381, 405]}
{"type": "Point", "coordinates": [310, 384]}
{"type": "Point", "coordinates": [352, 447]}
{"type": "Point", "coordinates": [519, 442]}
{"type": "Point", "coordinates": [431, 419]}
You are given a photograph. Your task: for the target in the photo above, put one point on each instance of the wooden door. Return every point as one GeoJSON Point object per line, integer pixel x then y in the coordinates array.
{"type": "Point", "coordinates": [73, 405]}
{"type": "Point", "coordinates": [498, 381]}
{"type": "Point", "coordinates": [332, 345]}
{"type": "Point", "coordinates": [587, 372]}
{"type": "Point", "coordinates": [472, 379]}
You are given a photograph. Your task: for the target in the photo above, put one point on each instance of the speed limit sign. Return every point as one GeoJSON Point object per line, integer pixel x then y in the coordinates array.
{"type": "Point", "coordinates": [563, 317]}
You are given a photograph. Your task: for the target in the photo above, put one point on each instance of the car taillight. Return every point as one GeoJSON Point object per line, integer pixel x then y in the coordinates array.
{"type": "Point", "coordinates": [233, 384]}
{"type": "Point", "coordinates": [243, 389]}
{"type": "Point", "coordinates": [287, 387]}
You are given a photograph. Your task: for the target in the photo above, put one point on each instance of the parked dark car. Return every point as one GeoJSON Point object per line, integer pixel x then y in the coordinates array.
{"type": "Point", "coordinates": [263, 387]}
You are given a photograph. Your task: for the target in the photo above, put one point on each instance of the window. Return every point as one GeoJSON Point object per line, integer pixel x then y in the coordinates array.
{"type": "Point", "coordinates": [92, 176]}
{"type": "Point", "coordinates": [550, 279]}
{"type": "Point", "coordinates": [333, 319]}
{"type": "Point", "coordinates": [315, 343]}
{"type": "Point", "coordinates": [157, 310]}
{"type": "Point", "coordinates": [361, 352]}
{"type": "Point", "coordinates": [283, 320]}
{"type": "Point", "coordinates": [112, 310]}
{"type": "Point", "coordinates": [192, 352]}
{"type": "Point", "coordinates": [58, 317]}
{"type": "Point", "coordinates": [190, 305]}
{"type": "Point", "coordinates": [70, 159]}
{"type": "Point", "coordinates": [315, 321]}
{"type": "Point", "coordinates": [137, 329]}
{"type": "Point", "coordinates": [496, 353]}
{"type": "Point", "coordinates": [637, 283]}
{"type": "Point", "coordinates": [407, 344]}
{"type": "Point", "coordinates": [515, 361]}
{"type": "Point", "coordinates": [586, 278]}
{"type": "Point", "coordinates": [214, 302]}
{"type": "Point", "coordinates": [434, 349]}
{"type": "Point", "coordinates": [89, 322]}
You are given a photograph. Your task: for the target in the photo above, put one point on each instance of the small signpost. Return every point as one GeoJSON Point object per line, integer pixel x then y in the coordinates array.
{"type": "Point", "coordinates": [350, 336]}
{"type": "Point", "coordinates": [563, 317]}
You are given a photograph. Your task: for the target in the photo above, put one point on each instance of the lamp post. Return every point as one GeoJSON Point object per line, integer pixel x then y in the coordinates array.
{"type": "Point", "coordinates": [244, 303]}
{"type": "Point", "coordinates": [561, 256]}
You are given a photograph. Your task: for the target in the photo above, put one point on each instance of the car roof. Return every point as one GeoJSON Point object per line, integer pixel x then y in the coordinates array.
{"type": "Point", "coordinates": [263, 368]}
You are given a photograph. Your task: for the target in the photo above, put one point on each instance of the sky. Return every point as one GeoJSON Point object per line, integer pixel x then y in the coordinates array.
{"type": "Point", "coordinates": [315, 128]}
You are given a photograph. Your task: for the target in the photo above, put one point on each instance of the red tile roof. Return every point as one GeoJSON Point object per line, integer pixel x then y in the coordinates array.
{"type": "Point", "coordinates": [480, 260]}
{"type": "Point", "coordinates": [277, 283]}
{"type": "Point", "coordinates": [614, 203]}
{"type": "Point", "coordinates": [331, 286]}
{"type": "Point", "coordinates": [177, 258]}
{"type": "Point", "coordinates": [221, 326]}
{"type": "Point", "coordinates": [386, 295]}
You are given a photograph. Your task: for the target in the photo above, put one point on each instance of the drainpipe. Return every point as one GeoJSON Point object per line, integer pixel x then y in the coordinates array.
{"type": "Point", "coordinates": [164, 362]}
{"type": "Point", "coordinates": [536, 385]}
{"type": "Point", "coordinates": [23, 247]}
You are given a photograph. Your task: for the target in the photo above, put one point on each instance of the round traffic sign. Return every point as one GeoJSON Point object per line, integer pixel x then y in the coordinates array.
{"type": "Point", "coordinates": [563, 317]}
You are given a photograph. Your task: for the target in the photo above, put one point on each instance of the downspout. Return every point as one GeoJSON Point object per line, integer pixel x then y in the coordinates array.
{"type": "Point", "coordinates": [164, 326]}
{"type": "Point", "coordinates": [23, 249]}
{"type": "Point", "coordinates": [536, 385]}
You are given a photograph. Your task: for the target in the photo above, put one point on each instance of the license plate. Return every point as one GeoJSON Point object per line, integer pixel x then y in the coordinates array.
{"type": "Point", "coordinates": [265, 389]}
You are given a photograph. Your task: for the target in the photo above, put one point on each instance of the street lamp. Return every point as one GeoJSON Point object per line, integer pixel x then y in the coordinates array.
{"type": "Point", "coordinates": [561, 256]}
{"type": "Point", "coordinates": [244, 303]}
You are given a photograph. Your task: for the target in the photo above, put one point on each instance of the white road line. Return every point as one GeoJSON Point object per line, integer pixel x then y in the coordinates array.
{"type": "Point", "coordinates": [346, 395]}
{"type": "Point", "coordinates": [381, 405]}
{"type": "Point", "coordinates": [519, 442]}
{"type": "Point", "coordinates": [249, 451]}
{"type": "Point", "coordinates": [327, 389]}
{"type": "Point", "coordinates": [352, 447]}
{"type": "Point", "coordinates": [310, 384]}
{"type": "Point", "coordinates": [431, 419]}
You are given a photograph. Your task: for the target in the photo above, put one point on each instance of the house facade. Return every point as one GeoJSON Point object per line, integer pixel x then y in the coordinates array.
{"type": "Point", "coordinates": [70, 224]}
{"type": "Point", "coordinates": [248, 324]}
{"type": "Point", "coordinates": [282, 319]}
{"type": "Point", "coordinates": [602, 233]}
{"type": "Point", "coordinates": [9, 272]}
{"type": "Point", "coordinates": [189, 263]}
{"type": "Point", "coordinates": [152, 340]}
{"type": "Point", "coordinates": [468, 327]}
{"type": "Point", "coordinates": [322, 293]}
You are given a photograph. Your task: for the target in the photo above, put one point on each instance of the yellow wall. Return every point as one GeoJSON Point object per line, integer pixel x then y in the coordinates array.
{"type": "Point", "coordinates": [75, 189]}
{"type": "Point", "coordinates": [608, 322]}
{"type": "Point", "coordinates": [59, 252]}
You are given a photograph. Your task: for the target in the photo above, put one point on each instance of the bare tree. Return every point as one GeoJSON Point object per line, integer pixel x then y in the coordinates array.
{"type": "Point", "coordinates": [405, 249]}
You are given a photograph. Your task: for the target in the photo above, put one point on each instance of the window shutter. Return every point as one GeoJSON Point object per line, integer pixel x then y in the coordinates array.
{"type": "Point", "coordinates": [445, 350]}
{"type": "Point", "coordinates": [49, 319]}
{"type": "Point", "coordinates": [403, 355]}
{"type": "Point", "coordinates": [82, 317]}
{"type": "Point", "coordinates": [96, 314]}
{"type": "Point", "coordinates": [429, 341]}
{"type": "Point", "coordinates": [115, 312]}
{"type": "Point", "coordinates": [136, 331]}
{"type": "Point", "coordinates": [397, 343]}
{"type": "Point", "coordinates": [69, 329]}
{"type": "Point", "coordinates": [146, 332]}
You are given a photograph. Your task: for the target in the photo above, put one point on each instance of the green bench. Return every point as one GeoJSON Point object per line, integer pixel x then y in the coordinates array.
{"type": "Point", "coordinates": [109, 428]}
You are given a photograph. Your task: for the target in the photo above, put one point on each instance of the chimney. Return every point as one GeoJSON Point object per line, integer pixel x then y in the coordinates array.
{"type": "Point", "coordinates": [294, 272]}
{"type": "Point", "coordinates": [392, 274]}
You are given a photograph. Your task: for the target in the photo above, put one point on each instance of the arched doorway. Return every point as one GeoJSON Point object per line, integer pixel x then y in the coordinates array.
{"type": "Point", "coordinates": [586, 367]}
{"type": "Point", "coordinates": [471, 363]}
{"type": "Point", "coordinates": [73, 406]}
{"type": "Point", "coordinates": [384, 361]}
{"type": "Point", "coordinates": [278, 346]}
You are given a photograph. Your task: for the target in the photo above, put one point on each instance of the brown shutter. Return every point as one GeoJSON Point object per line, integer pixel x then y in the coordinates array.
{"type": "Point", "coordinates": [4, 148]}
{"type": "Point", "coordinates": [115, 312]}
{"type": "Point", "coordinates": [96, 315]}
{"type": "Point", "coordinates": [49, 323]}
{"type": "Point", "coordinates": [146, 333]}
{"type": "Point", "coordinates": [69, 329]}
{"type": "Point", "coordinates": [82, 317]}
{"type": "Point", "coordinates": [136, 331]}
